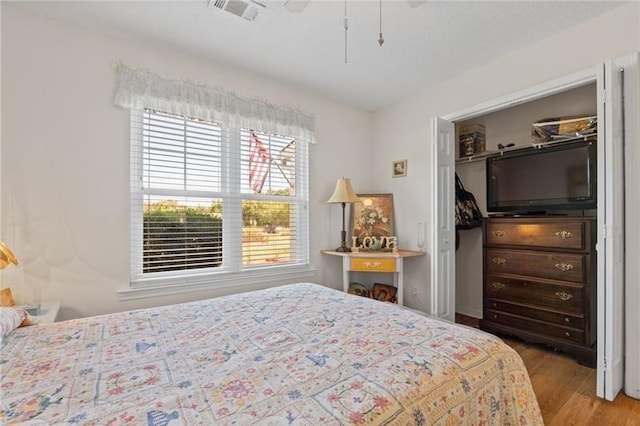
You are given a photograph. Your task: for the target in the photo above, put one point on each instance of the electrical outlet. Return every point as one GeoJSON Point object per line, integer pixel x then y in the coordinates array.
{"type": "Point", "coordinates": [414, 290]}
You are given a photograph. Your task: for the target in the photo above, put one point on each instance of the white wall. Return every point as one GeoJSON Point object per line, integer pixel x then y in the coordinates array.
{"type": "Point", "coordinates": [64, 205]}
{"type": "Point", "coordinates": [65, 160]}
{"type": "Point", "coordinates": [403, 130]}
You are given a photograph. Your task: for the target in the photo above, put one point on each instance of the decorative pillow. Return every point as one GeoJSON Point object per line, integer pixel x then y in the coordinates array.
{"type": "Point", "coordinates": [12, 318]}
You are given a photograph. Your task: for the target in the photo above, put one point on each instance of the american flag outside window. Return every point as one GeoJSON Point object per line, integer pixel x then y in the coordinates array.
{"type": "Point", "coordinates": [259, 163]}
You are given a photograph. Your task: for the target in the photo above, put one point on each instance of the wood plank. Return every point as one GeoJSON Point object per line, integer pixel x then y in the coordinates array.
{"type": "Point", "coordinates": [566, 390]}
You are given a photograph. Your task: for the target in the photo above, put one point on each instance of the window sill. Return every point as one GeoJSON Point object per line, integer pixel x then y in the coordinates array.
{"type": "Point", "coordinates": [146, 288]}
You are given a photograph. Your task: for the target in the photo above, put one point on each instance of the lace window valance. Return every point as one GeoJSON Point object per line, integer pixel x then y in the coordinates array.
{"type": "Point", "coordinates": [138, 89]}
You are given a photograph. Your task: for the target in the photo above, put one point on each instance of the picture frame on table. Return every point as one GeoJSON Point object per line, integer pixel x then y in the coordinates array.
{"type": "Point", "coordinates": [358, 289]}
{"type": "Point", "coordinates": [372, 217]}
{"type": "Point", "coordinates": [384, 292]}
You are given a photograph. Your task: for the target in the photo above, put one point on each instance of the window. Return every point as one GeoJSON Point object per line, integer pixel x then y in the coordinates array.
{"type": "Point", "coordinates": [209, 200]}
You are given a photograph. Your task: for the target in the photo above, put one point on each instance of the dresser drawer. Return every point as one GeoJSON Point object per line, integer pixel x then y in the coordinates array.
{"type": "Point", "coordinates": [559, 297]}
{"type": "Point", "coordinates": [540, 281]}
{"type": "Point", "coordinates": [373, 264]}
{"type": "Point", "coordinates": [557, 235]}
{"type": "Point", "coordinates": [540, 327]}
{"type": "Point", "coordinates": [567, 320]}
{"type": "Point", "coordinates": [555, 266]}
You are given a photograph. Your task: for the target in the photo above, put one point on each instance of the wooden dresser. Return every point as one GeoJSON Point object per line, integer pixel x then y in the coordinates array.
{"type": "Point", "coordinates": [540, 281]}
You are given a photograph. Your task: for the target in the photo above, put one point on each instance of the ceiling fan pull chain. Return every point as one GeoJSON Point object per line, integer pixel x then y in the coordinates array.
{"type": "Point", "coordinates": [346, 27]}
{"type": "Point", "coordinates": [380, 39]}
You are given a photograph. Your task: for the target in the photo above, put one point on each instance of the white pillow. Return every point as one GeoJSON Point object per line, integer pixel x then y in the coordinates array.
{"type": "Point", "coordinates": [12, 318]}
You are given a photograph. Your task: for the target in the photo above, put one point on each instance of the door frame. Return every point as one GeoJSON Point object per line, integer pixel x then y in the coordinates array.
{"type": "Point", "coordinates": [572, 81]}
{"type": "Point", "coordinates": [632, 227]}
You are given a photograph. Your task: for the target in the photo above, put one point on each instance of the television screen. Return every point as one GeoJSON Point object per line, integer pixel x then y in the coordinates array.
{"type": "Point", "coordinates": [560, 177]}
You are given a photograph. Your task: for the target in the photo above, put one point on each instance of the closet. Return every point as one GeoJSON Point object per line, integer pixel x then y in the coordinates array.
{"type": "Point", "coordinates": [508, 126]}
{"type": "Point", "coordinates": [613, 87]}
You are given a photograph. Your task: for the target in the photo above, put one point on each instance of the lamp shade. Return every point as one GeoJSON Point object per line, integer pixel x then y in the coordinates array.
{"type": "Point", "coordinates": [6, 256]}
{"type": "Point", "coordinates": [343, 193]}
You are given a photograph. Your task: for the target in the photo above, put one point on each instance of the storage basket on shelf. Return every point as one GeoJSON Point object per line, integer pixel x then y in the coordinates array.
{"type": "Point", "coordinates": [559, 128]}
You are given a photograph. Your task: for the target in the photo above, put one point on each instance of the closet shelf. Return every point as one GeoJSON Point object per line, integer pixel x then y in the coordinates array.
{"type": "Point", "coordinates": [536, 145]}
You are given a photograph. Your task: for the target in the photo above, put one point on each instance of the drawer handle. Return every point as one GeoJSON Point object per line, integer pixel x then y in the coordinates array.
{"type": "Point", "coordinates": [564, 266]}
{"type": "Point", "coordinates": [566, 333]}
{"type": "Point", "coordinates": [564, 296]}
{"type": "Point", "coordinates": [373, 265]}
{"type": "Point", "coordinates": [498, 233]}
{"type": "Point", "coordinates": [495, 316]}
{"type": "Point", "coordinates": [499, 260]}
{"type": "Point", "coordinates": [564, 234]}
{"type": "Point", "coordinates": [499, 286]}
{"type": "Point", "coordinates": [566, 319]}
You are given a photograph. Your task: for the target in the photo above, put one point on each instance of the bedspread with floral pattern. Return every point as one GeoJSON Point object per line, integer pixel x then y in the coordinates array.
{"type": "Point", "coordinates": [299, 354]}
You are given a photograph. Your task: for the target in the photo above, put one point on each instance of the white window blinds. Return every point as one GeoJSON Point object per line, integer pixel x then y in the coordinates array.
{"type": "Point", "coordinates": [210, 199]}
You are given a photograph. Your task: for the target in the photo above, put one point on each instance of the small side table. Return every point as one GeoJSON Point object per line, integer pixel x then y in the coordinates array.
{"type": "Point", "coordinates": [375, 262]}
{"type": "Point", "coordinates": [48, 312]}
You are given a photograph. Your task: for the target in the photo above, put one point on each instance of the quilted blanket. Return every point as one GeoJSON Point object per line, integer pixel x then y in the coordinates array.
{"type": "Point", "coordinates": [299, 354]}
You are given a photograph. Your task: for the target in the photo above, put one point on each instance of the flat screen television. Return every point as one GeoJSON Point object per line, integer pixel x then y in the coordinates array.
{"type": "Point", "coordinates": [541, 180]}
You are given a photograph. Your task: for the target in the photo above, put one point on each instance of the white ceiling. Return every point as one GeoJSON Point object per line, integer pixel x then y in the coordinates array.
{"type": "Point", "coordinates": [424, 44]}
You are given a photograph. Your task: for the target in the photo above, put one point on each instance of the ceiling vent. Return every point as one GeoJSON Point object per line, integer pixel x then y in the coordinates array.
{"type": "Point", "coordinates": [247, 9]}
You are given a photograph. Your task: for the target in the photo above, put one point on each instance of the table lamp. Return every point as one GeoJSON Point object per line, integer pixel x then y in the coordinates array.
{"type": "Point", "coordinates": [6, 258]}
{"type": "Point", "coordinates": [6, 296]}
{"type": "Point", "coordinates": [343, 194]}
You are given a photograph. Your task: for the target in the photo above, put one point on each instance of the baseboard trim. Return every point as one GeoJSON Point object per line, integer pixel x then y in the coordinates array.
{"type": "Point", "coordinates": [468, 311]}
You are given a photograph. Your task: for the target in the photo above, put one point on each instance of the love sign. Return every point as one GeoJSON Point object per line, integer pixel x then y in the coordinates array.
{"type": "Point", "coordinates": [375, 244]}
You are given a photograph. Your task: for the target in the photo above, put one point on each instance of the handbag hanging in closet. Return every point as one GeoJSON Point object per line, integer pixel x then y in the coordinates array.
{"type": "Point", "coordinates": [468, 215]}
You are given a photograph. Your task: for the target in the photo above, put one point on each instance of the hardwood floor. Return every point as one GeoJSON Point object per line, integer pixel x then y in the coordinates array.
{"type": "Point", "coordinates": [566, 390]}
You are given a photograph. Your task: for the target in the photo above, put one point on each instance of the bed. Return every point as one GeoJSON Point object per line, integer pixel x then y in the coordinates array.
{"type": "Point", "coordinates": [299, 354]}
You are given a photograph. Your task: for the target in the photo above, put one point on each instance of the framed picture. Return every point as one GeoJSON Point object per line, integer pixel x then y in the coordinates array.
{"type": "Point", "coordinates": [358, 289]}
{"type": "Point", "coordinates": [399, 168]}
{"type": "Point", "coordinates": [373, 217]}
{"type": "Point", "coordinates": [384, 292]}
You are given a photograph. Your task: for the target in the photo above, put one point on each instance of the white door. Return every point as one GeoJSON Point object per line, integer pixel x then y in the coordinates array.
{"type": "Point", "coordinates": [632, 227]}
{"type": "Point", "coordinates": [611, 230]}
{"type": "Point", "coordinates": [443, 223]}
